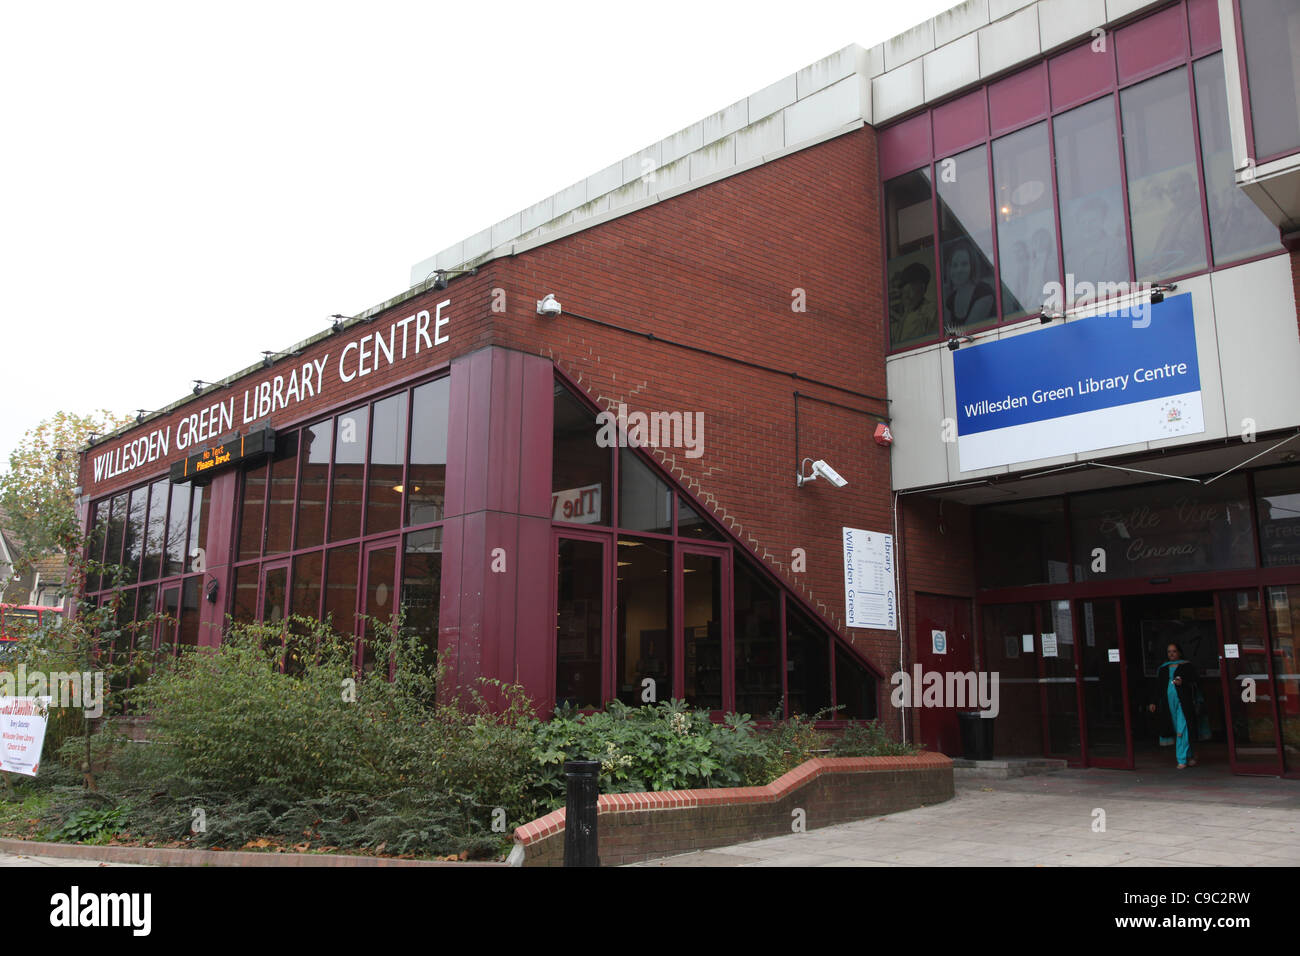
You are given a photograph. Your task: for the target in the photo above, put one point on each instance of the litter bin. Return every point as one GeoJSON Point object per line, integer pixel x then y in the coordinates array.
{"type": "Point", "coordinates": [976, 735]}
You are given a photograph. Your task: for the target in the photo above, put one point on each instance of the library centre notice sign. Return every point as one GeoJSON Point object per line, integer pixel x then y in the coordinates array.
{"type": "Point", "coordinates": [870, 598]}
{"type": "Point", "coordinates": [1093, 383]}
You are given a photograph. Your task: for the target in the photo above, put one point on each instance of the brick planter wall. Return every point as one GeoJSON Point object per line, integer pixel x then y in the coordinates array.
{"type": "Point", "coordinates": [644, 826]}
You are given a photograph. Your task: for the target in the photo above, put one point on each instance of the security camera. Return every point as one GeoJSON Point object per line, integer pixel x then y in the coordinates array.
{"type": "Point", "coordinates": [549, 306]}
{"type": "Point", "coordinates": [820, 468]}
{"type": "Point", "coordinates": [829, 473]}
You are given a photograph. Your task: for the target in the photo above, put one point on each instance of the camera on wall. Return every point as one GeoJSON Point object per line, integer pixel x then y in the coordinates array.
{"type": "Point", "coordinates": [820, 470]}
{"type": "Point", "coordinates": [549, 306]}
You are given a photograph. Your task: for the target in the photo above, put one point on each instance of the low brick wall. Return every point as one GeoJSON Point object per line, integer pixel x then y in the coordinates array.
{"type": "Point", "coordinates": [644, 826]}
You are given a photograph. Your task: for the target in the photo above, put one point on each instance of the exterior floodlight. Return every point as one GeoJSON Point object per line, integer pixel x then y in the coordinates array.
{"type": "Point", "coordinates": [819, 470]}
{"type": "Point", "coordinates": [956, 341]}
{"type": "Point", "coordinates": [440, 280]}
{"type": "Point", "coordinates": [1046, 315]}
{"type": "Point", "coordinates": [549, 306]}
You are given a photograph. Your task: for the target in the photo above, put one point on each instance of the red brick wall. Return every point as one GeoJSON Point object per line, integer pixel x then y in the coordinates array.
{"type": "Point", "coordinates": [716, 268]}
{"type": "Point", "coordinates": [632, 827]}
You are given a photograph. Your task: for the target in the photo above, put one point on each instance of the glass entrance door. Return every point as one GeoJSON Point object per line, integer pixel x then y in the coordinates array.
{"type": "Point", "coordinates": [1248, 683]}
{"type": "Point", "coordinates": [379, 604]}
{"type": "Point", "coordinates": [1284, 635]}
{"type": "Point", "coordinates": [1058, 679]}
{"type": "Point", "coordinates": [1108, 732]}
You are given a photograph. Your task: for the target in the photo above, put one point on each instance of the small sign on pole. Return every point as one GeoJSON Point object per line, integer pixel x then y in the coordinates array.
{"type": "Point", "coordinates": [22, 733]}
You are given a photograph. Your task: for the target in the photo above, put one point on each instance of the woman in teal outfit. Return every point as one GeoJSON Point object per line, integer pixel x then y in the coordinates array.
{"type": "Point", "coordinates": [1176, 706]}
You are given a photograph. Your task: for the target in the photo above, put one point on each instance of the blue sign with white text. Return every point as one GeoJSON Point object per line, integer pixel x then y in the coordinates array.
{"type": "Point", "coordinates": [1098, 382]}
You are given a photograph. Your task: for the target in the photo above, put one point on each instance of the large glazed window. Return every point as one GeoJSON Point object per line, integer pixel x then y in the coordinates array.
{"type": "Point", "coordinates": [580, 469]}
{"type": "Point", "coordinates": [966, 236]}
{"type": "Point", "coordinates": [1270, 31]}
{"type": "Point", "coordinates": [1238, 229]}
{"type": "Point", "coordinates": [1022, 189]}
{"type": "Point", "coordinates": [1093, 235]}
{"type": "Point", "coordinates": [909, 226]}
{"type": "Point", "coordinates": [695, 617]}
{"type": "Point", "coordinates": [1160, 160]}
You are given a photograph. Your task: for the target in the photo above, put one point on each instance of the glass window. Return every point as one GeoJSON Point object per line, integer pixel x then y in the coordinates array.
{"type": "Point", "coordinates": [1164, 197]}
{"type": "Point", "coordinates": [645, 651]}
{"type": "Point", "coordinates": [421, 587]}
{"type": "Point", "coordinates": [350, 443]}
{"type": "Point", "coordinates": [427, 474]}
{"type": "Point", "coordinates": [187, 633]}
{"type": "Point", "coordinates": [196, 560]}
{"type": "Point", "coordinates": [1277, 502]}
{"type": "Point", "coordinates": [313, 483]}
{"type": "Point", "coordinates": [1238, 229]}
{"type": "Point", "coordinates": [808, 663]}
{"type": "Point", "coordinates": [579, 630]}
{"type": "Point", "coordinates": [909, 231]}
{"type": "Point", "coordinates": [178, 526]}
{"type": "Point", "coordinates": [343, 567]}
{"type": "Point", "coordinates": [702, 629]}
{"type": "Point", "coordinates": [95, 547]}
{"type": "Point", "coordinates": [691, 524]}
{"type": "Point", "coordinates": [966, 234]}
{"type": "Point", "coordinates": [1270, 31]}
{"type": "Point", "coordinates": [758, 643]}
{"type": "Point", "coordinates": [135, 532]}
{"type": "Point", "coordinates": [1022, 189]}
{"type": "Point", "coordinates": [387, 457]}
{"type": "Point", "coordinates": [304, 601]}
{"type": "Point", "coordinates": [280, 501]}
{"type": "Point", "coordinates": [116, 535]}
{"type": "Point", "coordinates": [155, 531]}
{"type": "Point", "coordinates": [1037, 529]}
{"type": "Point", "coordinates": [244, 586]}
{"type": "Point", "coordinates": [580, 472]}
{"type": "Point", "coordinates": [381, 568]}
{"type": "Point", "coordinates": [250, 521]}
{"type": "Point", "coordinates": [1284, 626]}
{"type": "Point", "coordinates": [1093, 236]}
{"type": "Point", "coordinates": [855, 688]}
{"type": "Point", "coordinates": [1165, 528]}
{"type": "Point", "coordinates": [645, 502]}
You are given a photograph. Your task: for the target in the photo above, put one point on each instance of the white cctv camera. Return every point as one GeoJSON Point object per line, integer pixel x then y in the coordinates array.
{"type": "Point", "coordinates": [823, 470]}
{"type": "Point", "coordinates": [549, 306]}
{"type": "Point", "coordinates": [829, 473]}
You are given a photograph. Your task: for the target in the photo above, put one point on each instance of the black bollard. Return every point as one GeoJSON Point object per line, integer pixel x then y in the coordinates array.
{"type": "Point", "coordinates": [583, 779]}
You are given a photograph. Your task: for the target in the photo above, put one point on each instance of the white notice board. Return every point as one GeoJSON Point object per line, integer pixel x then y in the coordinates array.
{"type": "Point", "coordinates": [869, 595]}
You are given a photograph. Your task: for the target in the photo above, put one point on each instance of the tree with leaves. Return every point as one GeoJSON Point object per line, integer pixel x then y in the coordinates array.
{"type": "Point", "coordinates": [37, 491]}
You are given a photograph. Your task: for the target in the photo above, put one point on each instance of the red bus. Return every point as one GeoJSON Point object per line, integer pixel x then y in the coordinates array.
{"type": "Point", "coordinates": [14, 617]}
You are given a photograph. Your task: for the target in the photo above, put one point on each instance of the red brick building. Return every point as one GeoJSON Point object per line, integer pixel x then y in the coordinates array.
{"type": "Point", "coordinates": [891, 237]}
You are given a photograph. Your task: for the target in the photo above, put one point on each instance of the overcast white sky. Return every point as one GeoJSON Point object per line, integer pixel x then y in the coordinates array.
{"type": "Point", "coordinates": [182, 187]}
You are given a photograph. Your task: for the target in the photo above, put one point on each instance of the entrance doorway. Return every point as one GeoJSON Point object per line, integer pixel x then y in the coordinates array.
{"type": "Point", "coordinates": [1151, 623]}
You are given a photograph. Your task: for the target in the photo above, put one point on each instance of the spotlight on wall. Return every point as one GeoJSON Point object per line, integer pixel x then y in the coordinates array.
{"type": "Point", "coordinates": [270, 358]}
{"type": "Point", "coordinates": [140, 413]}
{"type": "Point", "coordinates": [441, 277]}
{"type": "Point", "coordinates": [337, 324]}
{"type": "Point", "coordinates": [819, 470]}
{"type": "Point", "coordinates": [1158, 291]}
{"type": "Point", "coordinates": [440, 280]}
{"type": "Point", "coordinates": [1046, 315]}
{"type": "Point", "coordinates": [210, 592]}
{"type": "Point", "coordinates": [549, 306]}
{"type": "Point", "coordinates": [957, 341]}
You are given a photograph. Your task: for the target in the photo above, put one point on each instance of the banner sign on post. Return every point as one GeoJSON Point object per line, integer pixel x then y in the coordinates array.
{"type": "Point", "coordinates": [869, 596]}
{"type": "Point", "coordinates": [1099, 382]}
{"type": "Point", "coordinates": [22, 733]}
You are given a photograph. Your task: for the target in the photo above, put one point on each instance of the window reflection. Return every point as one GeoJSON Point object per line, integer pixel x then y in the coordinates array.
{"type": "Point", "coordinates": [1093, 236]}
{"type": "Point", "coordinates": [1238, 229]}
{"type": "Point", "coordinates": [1022, 186]}
{"type": "Point", "coordinates": [909, 224]}
{"type": "Point", "coordinates": [966, 232]}
{"type": "Point", "coordinates": [1160, 160]}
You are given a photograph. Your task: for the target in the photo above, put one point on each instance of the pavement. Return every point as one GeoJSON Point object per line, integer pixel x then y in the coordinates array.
{"type": "Point", "coordinates": [1154, 817]}
{"type": "Point", "coordinates": [26, 859]}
